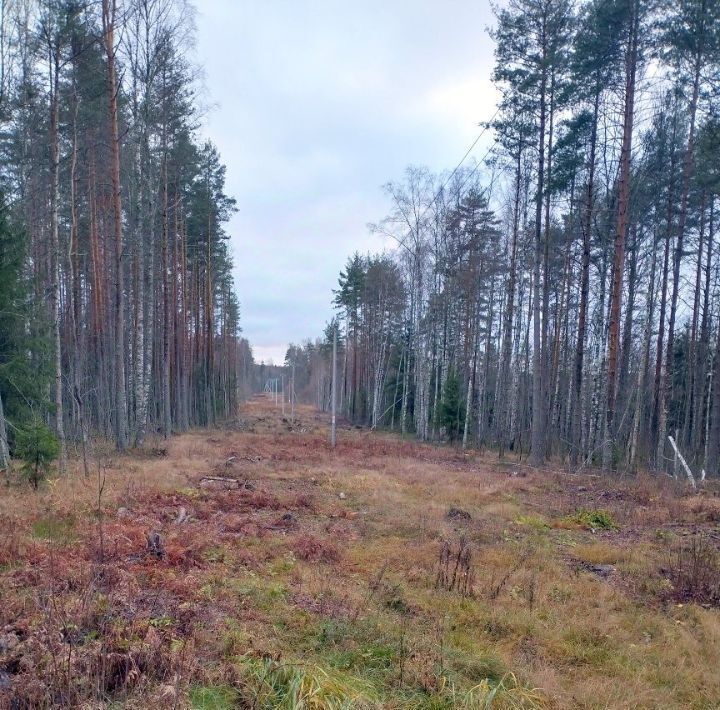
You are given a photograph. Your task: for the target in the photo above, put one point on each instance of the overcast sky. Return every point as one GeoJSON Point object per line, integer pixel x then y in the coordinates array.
{"type": "Point", "coordinates": [317, 104]}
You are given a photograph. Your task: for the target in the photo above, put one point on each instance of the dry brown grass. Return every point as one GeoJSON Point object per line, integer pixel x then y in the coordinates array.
{"type": "Point", "coordinates": [317, 572]}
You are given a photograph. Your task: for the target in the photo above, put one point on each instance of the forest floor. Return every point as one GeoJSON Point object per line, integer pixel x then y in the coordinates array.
{"type": "Point", "coordinates": [253, 566]}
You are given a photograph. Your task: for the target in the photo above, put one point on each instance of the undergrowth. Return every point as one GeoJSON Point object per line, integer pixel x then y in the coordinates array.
{"type": "Point", "coordinates": [268, 683]}
{"type": "Point", "coordinates": [282, 594]}
{"type": "Point", "coordinates": [693, 569]}
{"type": "Point", "coordinates": [592, 520]}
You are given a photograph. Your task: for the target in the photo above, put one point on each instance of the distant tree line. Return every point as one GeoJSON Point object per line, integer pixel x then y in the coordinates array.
{"type": "Point", "coordinates": [117, 309]}
{"type": "Point", "coordinates": [569, 305]}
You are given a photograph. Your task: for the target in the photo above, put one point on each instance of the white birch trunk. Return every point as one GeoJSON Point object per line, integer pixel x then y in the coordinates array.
{"type": "Point", "coordinates": [4, 450]}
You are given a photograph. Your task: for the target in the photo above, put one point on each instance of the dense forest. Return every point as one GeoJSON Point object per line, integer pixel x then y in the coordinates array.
{"type": "Point", "coordinates": [561, 297]}
{"type": "Point", "coordinates": [118, 315]}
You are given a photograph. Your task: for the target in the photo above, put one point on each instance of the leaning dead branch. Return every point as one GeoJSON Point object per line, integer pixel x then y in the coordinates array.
{"type": "Point", "coordinates": [683, 463]}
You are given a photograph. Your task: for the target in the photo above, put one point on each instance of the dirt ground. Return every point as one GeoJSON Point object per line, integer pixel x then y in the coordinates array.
{"type": "Point", "coordinates": [253, 566]}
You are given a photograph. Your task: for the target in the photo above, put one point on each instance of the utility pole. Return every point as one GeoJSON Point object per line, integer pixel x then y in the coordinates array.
{"type": "Point", "coordinates": [283, 393]}
{"type": "Point", "coordinates": [334, 388]}
{"type": "Point", "coordinates": [292, 395]}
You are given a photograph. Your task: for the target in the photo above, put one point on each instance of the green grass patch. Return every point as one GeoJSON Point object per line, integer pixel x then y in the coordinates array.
{"type": "Point", "coordinates": [219, 697]}
{"type": "Point", "coordinates": [258, 592]}
{"type": "Point", "coordinates": [359, 647]}
{"type": "Point", "coordinates": [536, 522]}
{"type": "Point", "coordinates": [288, 685]}
{"type": "Point", "coordinates": [592, 520]}
{"type": "Point", "coordinates": [55, 528]}
{"type": "Point", "coordinates": [505, 692]}
{"type": "Point", "coordinates": [586, 647]}
{"type": "Point", "coordinates": [476, 669]}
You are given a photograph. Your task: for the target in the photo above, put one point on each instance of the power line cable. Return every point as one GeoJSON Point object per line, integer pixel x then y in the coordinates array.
{"type": "Point", "coordinates": [468, 151]}
{"type": "Point", "coordinates": [459, 165]}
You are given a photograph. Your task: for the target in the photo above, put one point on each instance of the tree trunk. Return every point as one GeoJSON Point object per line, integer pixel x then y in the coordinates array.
{"type": "Point", "coordinates": [209, 322]}
{"type": "Point", "coordinates": [508, 314]}
{"type": "Point", "coordinates": [713, 455]}
{"type": "Point", "coordinates": [108, 20]}
{"type": "Point", "coordinates": [545, 318]}
{"type": "Point", "coordinates": [4, 450]}
{"type": "Point", "coordinates": [704, 358]}
{"type": "Point", "coordinates": [166, 333]}
{"type": "Point", "coordinates": [693, 366]}
{"type": "Point", "coordinates": [538, 405]}
{"type": "Point", "coordinates": [666, 393]}
{"type": "Point", "coordinates": [627, 341]}
{"type": "Point", "coordinates": [643, 369]}
{"type": "Point", "coordinates": [55, 246]}
{"type": "Point", "coordinates": [620, 237]}
{"type": "Point", "coordinates": [576, 414]}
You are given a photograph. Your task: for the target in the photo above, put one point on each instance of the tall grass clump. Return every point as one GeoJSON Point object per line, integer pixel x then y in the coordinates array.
{"type": "Point", "coordinates": [504, 694]}
{"type": "Point", "coordinates": [287, 686]}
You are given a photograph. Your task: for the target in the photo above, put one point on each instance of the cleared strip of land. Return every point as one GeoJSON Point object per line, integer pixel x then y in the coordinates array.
{"type": "Point", "coordinates": [253, 566]}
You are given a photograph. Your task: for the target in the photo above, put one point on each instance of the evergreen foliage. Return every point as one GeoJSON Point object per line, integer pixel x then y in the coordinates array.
{"type": "Point", "coordinates": [37, 447]}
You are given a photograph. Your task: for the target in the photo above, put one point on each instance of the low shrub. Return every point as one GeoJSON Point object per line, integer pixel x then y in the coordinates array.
{"type": "Point", "coordinates": [693, 569]}
{"type": "Point", "coordinates": [592, 520]}
{"type": "Point", "coordinates": [312, 549]}
{"type": "Point", "coordinates": [38, 447]}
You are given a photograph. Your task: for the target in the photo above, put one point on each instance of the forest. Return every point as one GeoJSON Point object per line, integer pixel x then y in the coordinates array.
{"type": "Point", "coordinates": [560, 297]}
{"type": "Point", "coordinates": [491, 483]}
{"type": "Point", "coordinates": [118, 312]}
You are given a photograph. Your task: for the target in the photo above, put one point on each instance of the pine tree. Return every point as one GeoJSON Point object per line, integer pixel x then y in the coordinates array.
{"type": "Point", "coordinates": [452, 412]}
{"type": "Point", "coordinates": [24, 357]}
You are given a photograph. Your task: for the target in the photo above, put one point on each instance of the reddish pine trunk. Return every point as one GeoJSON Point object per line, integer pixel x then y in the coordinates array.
{"type": "Point", "coordinates": [108, 20]}
{"type": "Point", "coordinates": [620, 238]}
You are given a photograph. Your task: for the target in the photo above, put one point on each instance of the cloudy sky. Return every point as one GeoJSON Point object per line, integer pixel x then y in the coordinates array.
{"type": "Point", "coordinates": [315, 104]}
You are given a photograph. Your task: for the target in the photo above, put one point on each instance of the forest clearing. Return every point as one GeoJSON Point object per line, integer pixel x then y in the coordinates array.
{"type": "Point", "coordinates": [253, 566]}
{"type": "Point", "coordinates": [481, 238]}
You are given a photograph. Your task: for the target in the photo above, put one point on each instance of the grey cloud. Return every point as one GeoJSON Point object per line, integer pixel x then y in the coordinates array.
{"type": "Point", "coordinates": [319, 104]}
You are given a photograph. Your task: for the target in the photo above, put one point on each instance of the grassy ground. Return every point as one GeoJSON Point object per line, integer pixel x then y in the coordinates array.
{"type": "Point", "coordinates": [384, 574]}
